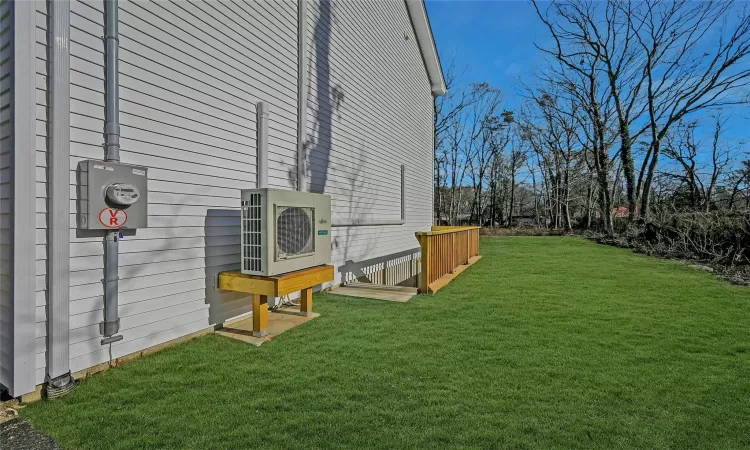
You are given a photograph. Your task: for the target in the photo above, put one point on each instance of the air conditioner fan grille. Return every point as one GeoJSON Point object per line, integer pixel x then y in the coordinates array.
{"type": "Point", "coordinates": [294, 231]}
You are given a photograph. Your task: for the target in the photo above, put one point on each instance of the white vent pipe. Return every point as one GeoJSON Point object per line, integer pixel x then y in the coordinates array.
{"type": "Point", "coordinates": [261, 180]}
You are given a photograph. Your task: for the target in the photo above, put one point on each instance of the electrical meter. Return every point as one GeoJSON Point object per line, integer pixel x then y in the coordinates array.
{"type": "Point", "coordinates": [112, 195]}
{"type": "Point", "coordinates": [122, 194]}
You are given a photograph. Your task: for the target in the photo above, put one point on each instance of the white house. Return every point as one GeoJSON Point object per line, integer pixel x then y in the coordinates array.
{"type": "Point", "coordinates": [346, 114]}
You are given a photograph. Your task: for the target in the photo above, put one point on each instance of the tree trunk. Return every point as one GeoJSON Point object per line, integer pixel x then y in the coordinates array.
{"type": "Point", "coordinates": [642, 172]}
{"type": "Point", "coordinates": [646, 194]}
{"type": "Point", "coordinates": [512, 199]}
{"type": "Point", "coordinates": [566, 198]}
{"type": "Point", "coordinates": [590, 194]}
{"type": "Point", "coordinates": [628, 167]}
{"type": "Point", "coordinates": [626, 148]}
{"type": "Point", "coordinates": [437, 203]}
{"type": "Point", "coordinates": [605, 202]}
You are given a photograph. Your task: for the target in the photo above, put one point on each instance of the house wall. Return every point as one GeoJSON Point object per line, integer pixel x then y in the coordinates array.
{"type": "Point", "coordinates": [370, 110]}
{"type": "Point", "coordinates": [190, 76]}
{"type": "Point", "coordinates": [6, 191]}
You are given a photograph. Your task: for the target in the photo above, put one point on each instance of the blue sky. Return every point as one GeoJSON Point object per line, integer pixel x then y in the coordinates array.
{"type": "Point", "coordinates": [493, 40]}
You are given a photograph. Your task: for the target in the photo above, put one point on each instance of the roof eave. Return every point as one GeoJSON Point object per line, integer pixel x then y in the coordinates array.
{"type": "Point", "coordinates": [426, 42]}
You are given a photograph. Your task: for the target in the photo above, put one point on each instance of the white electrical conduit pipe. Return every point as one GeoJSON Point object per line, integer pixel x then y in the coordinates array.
{"type": "Point", "coordinates": [111, 324]}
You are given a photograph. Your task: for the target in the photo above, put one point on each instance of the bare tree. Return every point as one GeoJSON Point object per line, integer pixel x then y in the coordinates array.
{"type": "Point", "coordinates": [702, 165]}
{"type": "Point", "coordinates": [687, 69]}
{"type": "Point", "coordinates": [447, 111]}
{"type": "Point", "coordinates": [580, 38]}
{"type": "Point", "coordinates": [467, 137]}
{"type": "Point", "coordinates": [739, 181]}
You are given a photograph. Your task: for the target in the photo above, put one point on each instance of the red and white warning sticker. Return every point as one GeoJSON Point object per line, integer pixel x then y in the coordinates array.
{"type": "Point", "coordinates": [113, 218]}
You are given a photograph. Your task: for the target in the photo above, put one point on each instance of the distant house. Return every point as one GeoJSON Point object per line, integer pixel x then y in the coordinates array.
{"type": "Point", "coordinates": [351, 116]}
{"type": "Point", "coordinates": [619, 212]}
{"type": "Point", "coordinates": [524, 221]}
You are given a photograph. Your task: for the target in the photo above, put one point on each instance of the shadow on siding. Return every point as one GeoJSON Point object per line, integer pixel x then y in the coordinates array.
{"type": "Point", "coordinates": [222, 253]}
{"type": "Point", "coordinates": [318, 145]}
{"type": "Point", "coordinates": [353, 194]}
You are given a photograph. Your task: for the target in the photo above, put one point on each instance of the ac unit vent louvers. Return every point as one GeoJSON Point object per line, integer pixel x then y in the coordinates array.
{"type": "Point", "coordinates": [251, 228]}
{"type": "Point", "coordinates": [294, 231]}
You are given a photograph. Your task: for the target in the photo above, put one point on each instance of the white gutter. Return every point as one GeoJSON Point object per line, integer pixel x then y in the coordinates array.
{"type": "Point", "coordinates": [426, 42]}
{"type": "Point", "coordinates": [301, 94]}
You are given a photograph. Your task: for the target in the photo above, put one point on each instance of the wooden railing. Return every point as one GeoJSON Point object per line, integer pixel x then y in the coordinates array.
{"type": "Point", "coordinates": [446, 252]}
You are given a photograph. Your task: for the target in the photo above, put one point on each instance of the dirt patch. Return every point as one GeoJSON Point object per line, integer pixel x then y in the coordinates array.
{"type": "Point", "coordinates": [19, 434]}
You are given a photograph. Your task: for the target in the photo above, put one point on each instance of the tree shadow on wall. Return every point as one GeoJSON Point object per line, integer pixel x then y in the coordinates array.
{"type": "Point", "coordinates": [322, 101]}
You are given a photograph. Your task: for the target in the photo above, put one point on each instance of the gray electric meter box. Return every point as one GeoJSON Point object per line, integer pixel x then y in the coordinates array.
{"type": "Point", "coordinates": [112, 195]}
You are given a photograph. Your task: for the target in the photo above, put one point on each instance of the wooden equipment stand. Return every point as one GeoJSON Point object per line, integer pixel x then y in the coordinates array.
{"type": "Point", "coordinates": [277, 286]}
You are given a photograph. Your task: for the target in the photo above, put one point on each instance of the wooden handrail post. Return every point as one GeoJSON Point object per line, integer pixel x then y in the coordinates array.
{"type": "Point", "coordinates": [424, 281]}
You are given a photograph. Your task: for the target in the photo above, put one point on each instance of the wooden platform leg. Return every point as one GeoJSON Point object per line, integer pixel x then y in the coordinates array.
{"type": "Point", "coordinates": [305, 303]}
{"type": "Point", "coordinates": [260, 315]}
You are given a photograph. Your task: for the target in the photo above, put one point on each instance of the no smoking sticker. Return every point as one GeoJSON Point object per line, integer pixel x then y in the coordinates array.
{"type": "Point", "coordinates": [113, 218]}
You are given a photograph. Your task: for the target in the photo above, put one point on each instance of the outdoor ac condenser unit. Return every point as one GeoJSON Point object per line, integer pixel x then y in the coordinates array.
{"type": "Point", "coordinates": [284, 231]}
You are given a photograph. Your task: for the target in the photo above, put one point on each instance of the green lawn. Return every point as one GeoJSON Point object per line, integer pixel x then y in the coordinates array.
{"type": "Point", "coordinates": [545, 343]}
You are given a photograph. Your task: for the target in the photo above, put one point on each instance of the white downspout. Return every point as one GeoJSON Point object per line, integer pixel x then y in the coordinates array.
{"type": "Point", "coordinates": [301, 94]}
{"type": "Point", "coordinates": [58, 379]}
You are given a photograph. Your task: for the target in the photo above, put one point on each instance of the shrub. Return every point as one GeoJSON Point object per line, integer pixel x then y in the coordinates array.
{"type": "Point", "coordinates": [719, 240]}
{"type": "Point", "coordinates": [524, 231]}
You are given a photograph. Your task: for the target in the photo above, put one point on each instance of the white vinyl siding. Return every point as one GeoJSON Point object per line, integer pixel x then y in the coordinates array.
{"type": "Point", "coordinates": [370, 108]}
{"type": "Point", "coordinates": [6, 191]}
{"type": "Point", "coordinates": [190, 76]}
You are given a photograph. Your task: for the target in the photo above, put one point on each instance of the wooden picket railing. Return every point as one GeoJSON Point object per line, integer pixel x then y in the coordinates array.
{"type": "Point", "coordinates": [446, 252]}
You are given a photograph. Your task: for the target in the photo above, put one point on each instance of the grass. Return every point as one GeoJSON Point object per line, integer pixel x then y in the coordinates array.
{"type": "Point", "coordinates": [547, 342]}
